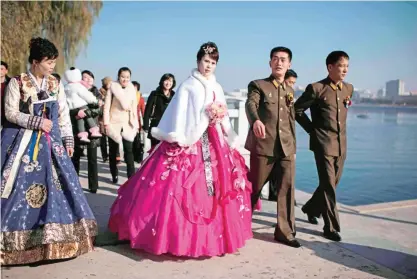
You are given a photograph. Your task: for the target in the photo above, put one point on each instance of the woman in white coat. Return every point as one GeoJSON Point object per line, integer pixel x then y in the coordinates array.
{"type": "Point", "coordinates": [191, 196]}
{"type": "Point", "coordinates": [121, 121]}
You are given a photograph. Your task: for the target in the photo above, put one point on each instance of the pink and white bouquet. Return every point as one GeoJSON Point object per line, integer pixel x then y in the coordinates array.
{"type": "Point", "coordinates": [216, 111]}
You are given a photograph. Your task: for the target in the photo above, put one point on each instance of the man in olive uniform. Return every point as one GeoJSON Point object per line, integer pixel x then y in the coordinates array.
{"type": "Point", "coordinates": [290, 79]}
{"type": "Point", "coordinates": [328, 101]}
{"type": "Point", "coordinates": [271, 141]}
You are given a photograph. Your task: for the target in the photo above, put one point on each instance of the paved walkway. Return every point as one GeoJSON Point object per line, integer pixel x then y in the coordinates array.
{"type": "Point", "coordinates": [379, 241]}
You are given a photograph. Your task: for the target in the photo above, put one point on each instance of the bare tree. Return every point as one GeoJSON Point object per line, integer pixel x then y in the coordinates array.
{"type": "Point", "coordinates": [66, 23]}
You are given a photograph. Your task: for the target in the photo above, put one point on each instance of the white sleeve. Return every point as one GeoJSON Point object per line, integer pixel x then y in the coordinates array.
{"type": "Point", "coordinates": [107, 106]}
{"type": "Point", "coordinates": [86, 95]}
{"type": "Point", "coordinates": [64, 119]}
{"type": "Point", "coordinates": [12, 111]}
{"type": "Point", "coordinates": [172, 126]}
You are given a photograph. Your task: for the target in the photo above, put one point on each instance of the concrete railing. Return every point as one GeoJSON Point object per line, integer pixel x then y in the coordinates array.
{"type": "Point", "coordinates": [237, 115]}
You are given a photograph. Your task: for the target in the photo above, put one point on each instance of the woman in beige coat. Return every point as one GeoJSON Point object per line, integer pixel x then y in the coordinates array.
{"type": "Point", "coordinates": [121, 121]}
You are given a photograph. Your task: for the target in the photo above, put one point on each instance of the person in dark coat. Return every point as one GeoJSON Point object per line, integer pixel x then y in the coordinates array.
{"type": "Point", "coordinates": [158, 101]}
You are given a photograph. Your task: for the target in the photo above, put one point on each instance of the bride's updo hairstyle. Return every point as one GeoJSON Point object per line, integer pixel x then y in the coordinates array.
{"type": "Point", "coordinates": [209, 48]}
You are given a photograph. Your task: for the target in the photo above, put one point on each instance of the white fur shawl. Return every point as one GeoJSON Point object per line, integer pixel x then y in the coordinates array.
{"type": "Point", "coordinates": [185, 119]}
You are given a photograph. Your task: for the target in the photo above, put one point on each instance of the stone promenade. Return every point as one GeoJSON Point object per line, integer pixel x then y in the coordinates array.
{"type": "Point", "coordinates": [379, 241]}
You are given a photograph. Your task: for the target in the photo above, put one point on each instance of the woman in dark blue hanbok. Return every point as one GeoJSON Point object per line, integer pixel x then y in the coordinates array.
{"type": "Point", "coordinates": [44, 212]}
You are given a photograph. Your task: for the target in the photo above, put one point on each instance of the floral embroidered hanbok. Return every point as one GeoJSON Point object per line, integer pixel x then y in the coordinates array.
{"type": "Point", "coordinates": [191, 196]}
{"type": "Point", "coordinates": [44, 212]}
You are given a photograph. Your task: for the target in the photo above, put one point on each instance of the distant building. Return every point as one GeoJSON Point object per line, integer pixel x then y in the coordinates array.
{"type": "Point", "coordinates": [407, 100]}
{"type": "Point", "coordinates": [394, 89]}
{"type": "Point", "coordinates": [381, 93]}
{"type": "Point", "coordinates": [359, 94]}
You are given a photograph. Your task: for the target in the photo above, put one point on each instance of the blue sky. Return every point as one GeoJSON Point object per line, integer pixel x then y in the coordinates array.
{"type": "Point", "coordinates": [153, 38]}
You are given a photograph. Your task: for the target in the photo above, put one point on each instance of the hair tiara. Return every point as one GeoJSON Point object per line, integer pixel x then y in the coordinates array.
{"type": "Point", "coordinates": [209, 49]}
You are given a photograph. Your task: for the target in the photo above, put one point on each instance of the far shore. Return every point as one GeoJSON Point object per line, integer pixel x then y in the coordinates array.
{"type": "Point", "coordinates": [384, 105]}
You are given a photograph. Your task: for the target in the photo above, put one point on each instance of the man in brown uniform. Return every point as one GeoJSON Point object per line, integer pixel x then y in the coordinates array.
{"type": "Point", "coordinates": [328, 101]}
{"type": "Point", "coordinates": [290, 79]}
{"type": "Point", "coordinates": [271, 141]}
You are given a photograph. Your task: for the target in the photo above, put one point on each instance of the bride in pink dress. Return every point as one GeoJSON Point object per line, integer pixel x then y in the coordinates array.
{"type": "Point", "coordinates": [191, 196]}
